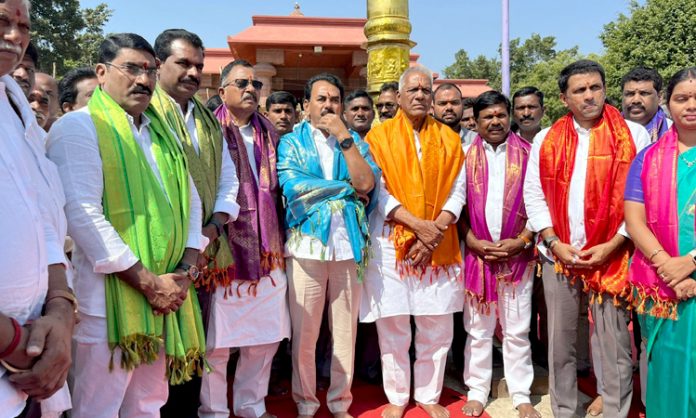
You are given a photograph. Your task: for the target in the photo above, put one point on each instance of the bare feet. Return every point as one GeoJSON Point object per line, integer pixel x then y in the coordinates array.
{"type": "Point", "coordinates": [393, 411]}
{"type": "Point", "coordinates": [472, 409]}
{"type": "Point", "coordinates": [342, 415]}
{"type": "Point", "coordinates": [267, 415]}
{"type": "Point", "coordinates": [526, 410]}
{"type": "Point", "coordinates": [596, 406]}
{"type": "Point", "coordinates": [434, 410]}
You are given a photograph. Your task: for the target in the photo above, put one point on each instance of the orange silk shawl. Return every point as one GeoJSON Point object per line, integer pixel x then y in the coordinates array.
{"type": "Point", "coordinates": [422, 187]}
{"type": "Point", "coordinates": [610, 155]}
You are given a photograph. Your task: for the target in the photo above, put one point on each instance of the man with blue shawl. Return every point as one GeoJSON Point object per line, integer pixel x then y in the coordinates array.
{"type": "Point", "coordinates": [327, 176]}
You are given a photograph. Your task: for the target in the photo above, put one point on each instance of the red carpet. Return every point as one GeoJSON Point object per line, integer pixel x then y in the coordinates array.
{"type": "Point", "coordinates": [368, 402]}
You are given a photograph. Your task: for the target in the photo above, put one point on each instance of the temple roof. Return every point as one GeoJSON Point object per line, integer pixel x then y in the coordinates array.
{"type": "Point", "coordinates": [297, 31]}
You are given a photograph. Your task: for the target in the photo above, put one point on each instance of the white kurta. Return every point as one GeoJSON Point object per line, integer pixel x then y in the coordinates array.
{"type": "Point", "coordinates": [535, 202]}
{"type": "Point", "coordinates": [99, 250]}
{"type": "Point", "coordinates": [32, 223]}
{"type": "Point", "coordinates": [242, 319]}
{"type": "Point", "coordinates": [385, 292]}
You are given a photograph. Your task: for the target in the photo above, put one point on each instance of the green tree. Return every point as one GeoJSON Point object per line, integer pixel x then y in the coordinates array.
{"type": "Point", "coordinates": [480, 67]}
{"type": "Point", "coordinates": [523, 57]}
{"type": "Point", "coordinates": [658, 34]}
{"type": "Point", "coordinates": [65, 35]}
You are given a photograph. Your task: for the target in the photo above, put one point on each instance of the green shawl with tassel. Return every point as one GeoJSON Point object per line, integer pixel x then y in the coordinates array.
{"type": "Point", "coordinates": [205, 166]}
{"type": "Point", "coordinates": [152, 219]}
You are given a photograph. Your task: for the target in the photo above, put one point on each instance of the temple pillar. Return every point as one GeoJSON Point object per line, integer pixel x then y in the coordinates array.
{"type": "Point", "coordinates": [264, 73]}
{"type": "Point", "coordinates": [388, 44]}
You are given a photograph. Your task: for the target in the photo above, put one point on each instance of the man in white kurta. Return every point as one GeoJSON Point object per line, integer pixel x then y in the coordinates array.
{"type": "Point", "coordinates": [397, 288]}
{"type": "Point", "coordinates": [252, 313]}
{"type": "Point", "coordinates": [499, 260]}
{"type": "Point", "coordinates": [181, 66]}
{"type": "Point", "coordinates": [324, 172]}
{"type": "Point", "coordinates": [583, 92]}
{"type": "Point", "coordinates": [32, 233]}
{"type": "Point", "coordinates": [73, 145]}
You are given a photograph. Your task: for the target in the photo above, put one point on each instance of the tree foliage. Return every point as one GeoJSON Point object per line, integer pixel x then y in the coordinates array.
{"type": "Point", "coordinates": [534, 62]}
{"type": "Point", "coordinates": [66, 35]}
{"type": "Point", "coordinates": [659, 34]}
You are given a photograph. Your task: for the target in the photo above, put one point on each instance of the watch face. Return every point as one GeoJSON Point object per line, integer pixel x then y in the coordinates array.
{"type": "Point", "coordinates": [194, 273]}
{"type": "Point", "coordinates": [347, 143]}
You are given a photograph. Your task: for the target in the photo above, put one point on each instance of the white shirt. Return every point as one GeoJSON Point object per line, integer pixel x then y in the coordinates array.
{"type": "Point", "coordinates": [228, 186]}
{"type": "Point", "coordinates": [535, 202]}
{"type": "Point", "coordinates": [338, 247]}
{"type": "Point", "coordinates": [467, 136]}
{"type": "Point", "coordinates": [496, 159]}
{"type": "Point", "coordinates": [99, 250]}
{"type": "Point", "coordinates": [32, 222]}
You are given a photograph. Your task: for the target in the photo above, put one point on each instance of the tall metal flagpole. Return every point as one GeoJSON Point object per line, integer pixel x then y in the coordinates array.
{"type": "Point", "coordinates": [506, 48]}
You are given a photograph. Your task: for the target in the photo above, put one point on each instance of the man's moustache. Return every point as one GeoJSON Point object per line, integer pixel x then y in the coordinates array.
{"type": "Point", "coordinates": [641, 107]}
{"type": "Point", "coordinates": [327, 111]}
{"type": "Point", "coordinates": [193, 80]}
{"type": "Point", "coordinates": [141, 89]}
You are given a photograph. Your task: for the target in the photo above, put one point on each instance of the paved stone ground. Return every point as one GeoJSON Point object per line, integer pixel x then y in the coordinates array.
{"type": "Point", "coordinates": [500, 404]}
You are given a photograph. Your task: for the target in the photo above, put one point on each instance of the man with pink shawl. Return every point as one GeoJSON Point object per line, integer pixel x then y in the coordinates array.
{"type": "Point", "coordinates": [499, 261]}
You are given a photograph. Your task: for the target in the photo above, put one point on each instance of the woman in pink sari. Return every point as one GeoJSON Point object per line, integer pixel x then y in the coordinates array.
{"type": "Point", "coordinates": [659, 207]}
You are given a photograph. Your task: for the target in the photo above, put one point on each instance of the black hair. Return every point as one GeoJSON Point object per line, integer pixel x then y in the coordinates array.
{"type": "Point", "coordinates": [643, 74]}
{"type": "Point", "coordinates": [446, 86]}
{"type": "Point", "coordinates": [236, 63]}
{"type": "Point", "coordinates": [67, 87]}
{"type": "Point", "coordinates": [356, 94]}
{"type": "Point", "coordinates": [468, 102]}
{"type": "Point", "coordinates": [688, 73]}
{"type": "Point", "coordinates": [390, 86]}
{"type": "Point", "coordinates": [213, 103]}
{"type": "Point", "coordinates": [112, 44]}
{"type": "Point", "coordinates": [32, 53]}
{"type": "Point", "coordinates": [529, 90]}
{"type": "Point", "coordinates": [579, 67]}
{"type": "Point", "coordinates": [329, 78]}
{"type": "Point", "coordinates": [163, 43]}
{"type": "Point", "coordinates": [490, 98]}
{"type": "Point", "coordinates": [281, 97]}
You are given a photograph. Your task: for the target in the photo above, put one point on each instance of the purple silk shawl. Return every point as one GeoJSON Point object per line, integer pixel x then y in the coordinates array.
{"type": "Point", "coordinates": [255, 238]}
{"type": "Point", "coordinates": [481, 276]}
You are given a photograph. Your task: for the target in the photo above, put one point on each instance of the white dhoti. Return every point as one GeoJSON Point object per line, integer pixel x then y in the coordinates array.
{"type": "Point", "coordinates": [254, 323]}
{"type": "Point", "coordinates": [433, 340]}
{"type": "Point", "coordinates": [390, 300]}
{"type": "Point", "coordinates": [102, 393]}
{"type": "Point", "coordinates": [513, 310]}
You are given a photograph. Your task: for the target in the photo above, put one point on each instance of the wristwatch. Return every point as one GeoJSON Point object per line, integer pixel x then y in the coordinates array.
{"type": "Point", "coordinates": [192, 271]}
{"type": "Point", "coordinates": [548, 241]}
{"type": "Point", "coordinates": [692, 254]}
{"type": "Point", "coordinates": [347, 142]}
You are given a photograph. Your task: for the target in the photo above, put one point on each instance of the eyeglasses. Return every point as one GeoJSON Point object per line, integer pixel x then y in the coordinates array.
{"type": "Point", "coordinates": [133, 70]}
{"type": "Point", "coordinates": [388, 106]}
{"type": "Point", "coordinates": [242, 83]}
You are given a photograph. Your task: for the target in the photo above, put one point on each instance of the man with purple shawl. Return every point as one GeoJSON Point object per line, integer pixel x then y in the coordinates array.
{"type": "Point", "coordinates": [499, 261]}
{"type": "Point", "coordinates": [251, 313]}
{"type": "Point", "coordinates": [641, 90]}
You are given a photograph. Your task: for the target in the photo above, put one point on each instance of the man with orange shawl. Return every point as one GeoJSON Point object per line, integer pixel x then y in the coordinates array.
{"type": "Point", "coordinates": [416, 266]}
{"type": "Point", "coordinates": [573, 195]}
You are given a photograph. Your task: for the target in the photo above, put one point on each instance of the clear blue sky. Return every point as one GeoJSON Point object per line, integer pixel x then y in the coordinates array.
{"type": "Point", "coordinates": [440, 28]}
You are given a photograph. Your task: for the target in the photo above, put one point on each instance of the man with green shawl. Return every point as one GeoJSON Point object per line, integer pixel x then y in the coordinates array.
{"type": "Point", "coordinates": [135, 216]}
{"type": "Point", "coordinates": [181, 66]}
